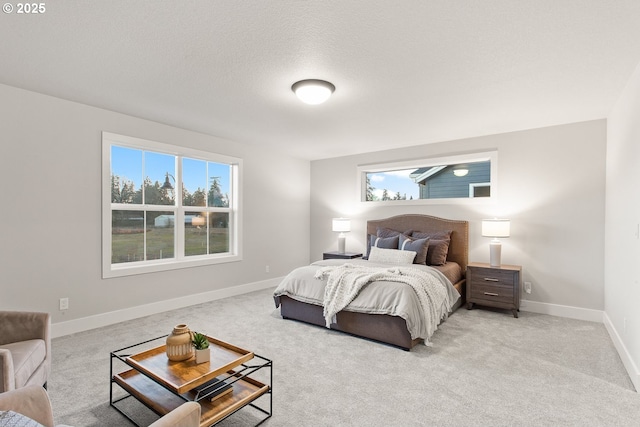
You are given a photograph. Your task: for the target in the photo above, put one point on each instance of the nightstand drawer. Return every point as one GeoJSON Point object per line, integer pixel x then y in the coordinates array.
{"type": "Point", "coordinates": [492, 276]}
{"type": "Point", "coordinates": [492, 292]}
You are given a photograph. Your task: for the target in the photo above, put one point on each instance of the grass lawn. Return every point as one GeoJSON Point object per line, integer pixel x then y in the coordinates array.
{"type": "Point", "coordinates": [127, 245]}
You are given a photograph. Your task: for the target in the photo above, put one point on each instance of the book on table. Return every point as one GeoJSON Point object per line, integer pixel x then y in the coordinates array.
{"type": "Point", "coordinates": [213, 389]}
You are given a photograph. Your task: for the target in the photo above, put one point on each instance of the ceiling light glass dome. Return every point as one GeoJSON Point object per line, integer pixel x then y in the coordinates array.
{"type": "Point", "coordinates": [313, 91]}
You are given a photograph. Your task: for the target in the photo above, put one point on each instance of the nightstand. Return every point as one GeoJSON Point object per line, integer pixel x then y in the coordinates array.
{"type": "Point", "coordinates": [494, 286]}
{"type": "Point", "coordinates": [338, 255]}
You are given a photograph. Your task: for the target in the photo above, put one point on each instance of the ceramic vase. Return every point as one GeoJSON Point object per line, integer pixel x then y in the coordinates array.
{"type": "Point", "coordinates": [203, 355]}
{"type": "Point", "coordinates": [179, 345]}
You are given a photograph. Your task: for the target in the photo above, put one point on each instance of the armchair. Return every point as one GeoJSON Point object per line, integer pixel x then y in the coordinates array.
{"type": "Point", "coordinates": [25, 349]}
{"type": "Point", "coordinates": [33, 402]}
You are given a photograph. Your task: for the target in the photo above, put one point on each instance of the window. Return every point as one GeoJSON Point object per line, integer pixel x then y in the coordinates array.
{"type": "Point", "coordinates": [438, 180]}
{"type": "Point", "coordinates": [167, 207]}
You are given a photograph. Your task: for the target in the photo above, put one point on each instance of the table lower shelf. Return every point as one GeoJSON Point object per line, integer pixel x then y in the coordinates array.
{"type": "Point", "coordinates": [162, 401]}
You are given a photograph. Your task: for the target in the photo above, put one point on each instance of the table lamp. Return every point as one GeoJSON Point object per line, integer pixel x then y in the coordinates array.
{"type": "Point", "coordinates": [341, 225]}
{"type": "Point", "coordinates": [495, 228]}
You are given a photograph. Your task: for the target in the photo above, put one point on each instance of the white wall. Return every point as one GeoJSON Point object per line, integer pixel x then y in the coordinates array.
{"type": "Point", "coordinates": [551, 186]}
{"type": "Point", "coordinates": [50, 219]}
{"type": "Point", "coordinates": [622, 226]}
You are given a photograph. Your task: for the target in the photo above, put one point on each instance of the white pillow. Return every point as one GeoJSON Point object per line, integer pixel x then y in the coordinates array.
{"type": "Point", "coordinates": [391, 256]}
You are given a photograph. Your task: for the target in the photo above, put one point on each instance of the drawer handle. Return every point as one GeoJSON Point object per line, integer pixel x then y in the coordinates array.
{"type": "Point", "coordinates": [491, 294]}
{"type": "Point", "coordinates": [489, 279]}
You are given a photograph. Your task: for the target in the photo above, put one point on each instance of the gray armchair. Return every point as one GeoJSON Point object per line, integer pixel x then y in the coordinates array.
{"type": "Point", "coordinates": [25, 349]}
{"type": "Point", "coordinates": [33, 402]}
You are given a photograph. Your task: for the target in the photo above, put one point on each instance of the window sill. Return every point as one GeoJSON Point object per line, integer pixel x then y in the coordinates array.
{"type": "Point", "coordinates": [131, 269]}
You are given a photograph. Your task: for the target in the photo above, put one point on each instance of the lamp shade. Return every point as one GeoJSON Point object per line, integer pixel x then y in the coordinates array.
{"type": "Point", "coordinates": [341, 225]}
{"type": "Point", "coordinates": [313, 91]}
{"type": "Point", "coordinates": [496, 227]}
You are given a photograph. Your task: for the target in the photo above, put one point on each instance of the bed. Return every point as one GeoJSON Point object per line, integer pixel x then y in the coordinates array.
{"type": "Point", "coordinates": [384, 325]}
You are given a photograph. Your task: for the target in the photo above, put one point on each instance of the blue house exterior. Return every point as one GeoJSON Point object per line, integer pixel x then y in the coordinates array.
{"type": "Point", "coordinates": [439, 182]}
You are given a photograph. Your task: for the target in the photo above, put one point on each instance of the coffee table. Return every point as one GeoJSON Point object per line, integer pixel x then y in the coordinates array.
{"type": "Point", "coordinates": [222, 386]}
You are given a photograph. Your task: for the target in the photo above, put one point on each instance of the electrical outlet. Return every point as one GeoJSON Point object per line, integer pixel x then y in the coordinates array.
{"type": "Point", "coordinates": [64, 304]}
{"type": "Point", "coordinates": [266, 268]}
{"type": "Point", "coordinates": [527, 287]}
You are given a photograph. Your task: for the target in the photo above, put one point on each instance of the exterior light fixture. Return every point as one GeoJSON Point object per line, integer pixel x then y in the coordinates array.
{"type": "Point", "coordinates": [313, 91]}
{"type": "Point", "coordinates": [460, 172]}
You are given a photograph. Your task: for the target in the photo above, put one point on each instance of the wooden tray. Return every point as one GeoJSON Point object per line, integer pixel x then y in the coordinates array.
{"type": "Point", "coordinates": [180, 377]}
{"type": "Point", "coordinates": [162, 401]}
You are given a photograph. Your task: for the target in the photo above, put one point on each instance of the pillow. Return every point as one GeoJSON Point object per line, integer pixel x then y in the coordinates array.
{"type": "Point", "coordinates": [10, 418]}
{"type": "Point", "coordinates": [384, 233]}
{"type": "Point", "coordinates": [438, 246]}
{"type": "Point", "coordinates": [382, 242]}
{"type": "Point", "coordinates": [391, 256]}
{"type": "Point", "coordinates": [420, 246]}
{"type": "Point", "coordinates": [387, 232]}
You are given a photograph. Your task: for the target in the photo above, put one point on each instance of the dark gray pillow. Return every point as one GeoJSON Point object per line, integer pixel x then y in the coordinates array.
{"type": "Point", "coordinates": [438, 246]}
{"type": "Point", "coordinates": [419, 246]}
{"type": "Point", "coordinates": [385, 233]}
{"type": "Point", "coordinates": [382, 242]}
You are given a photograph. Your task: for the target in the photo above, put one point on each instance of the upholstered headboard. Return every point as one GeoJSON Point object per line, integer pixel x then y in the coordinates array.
{"type": "Point", "coordinates": [459, 246]}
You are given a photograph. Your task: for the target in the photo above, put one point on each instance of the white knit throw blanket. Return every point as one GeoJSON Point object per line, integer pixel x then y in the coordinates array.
{"type": "Point", "coordinates": [346, 281]}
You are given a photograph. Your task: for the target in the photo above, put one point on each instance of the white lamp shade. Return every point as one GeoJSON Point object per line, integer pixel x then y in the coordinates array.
{"type": "Point", "coordinates": [312, 91]}
{"type": "Point", "coordinates": [496, 227]}
{"type": "Point", "coordinates": [341, 225]}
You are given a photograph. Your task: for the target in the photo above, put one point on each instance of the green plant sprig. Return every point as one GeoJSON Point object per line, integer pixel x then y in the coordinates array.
{"type": "Point", "coordinates": [200, 341]}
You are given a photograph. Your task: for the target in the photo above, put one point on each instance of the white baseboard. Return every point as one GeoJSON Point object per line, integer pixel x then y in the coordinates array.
{"type": "Point", "coordinates": [627, 360]}
{"type": "Point", "coordinates": [562, 311]}
{"type": "Point", "coordinates": [112, 317]}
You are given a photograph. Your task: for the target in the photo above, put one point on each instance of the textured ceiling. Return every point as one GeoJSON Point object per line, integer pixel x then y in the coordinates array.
{"type": "Point", "coordinates": [406, 72]}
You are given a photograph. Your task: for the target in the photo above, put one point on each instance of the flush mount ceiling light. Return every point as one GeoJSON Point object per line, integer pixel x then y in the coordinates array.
{"type": "Point", "coordinates": [460, 172]}
{"type": "Point", "coordinates": [313, 91]}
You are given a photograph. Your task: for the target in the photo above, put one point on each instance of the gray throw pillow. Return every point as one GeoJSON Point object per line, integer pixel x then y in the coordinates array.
{"type": "Point", "coordinates": [382, 242]}
{"type": "Point", "coordinates": [419, 246]}
{"type": "Point", "coordinates": [438, 246]}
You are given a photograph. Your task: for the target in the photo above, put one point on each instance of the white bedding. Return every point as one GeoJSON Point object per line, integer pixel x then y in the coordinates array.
{"type": "Point", "coordinates": [378, 297]}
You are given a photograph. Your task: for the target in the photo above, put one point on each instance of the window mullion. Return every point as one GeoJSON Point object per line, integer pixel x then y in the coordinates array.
{"type": "Point", "coordinates": [180, 214]}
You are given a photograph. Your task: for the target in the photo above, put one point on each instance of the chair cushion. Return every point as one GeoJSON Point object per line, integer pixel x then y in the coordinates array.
{"type": "Point", "coordinates": [27, 356]}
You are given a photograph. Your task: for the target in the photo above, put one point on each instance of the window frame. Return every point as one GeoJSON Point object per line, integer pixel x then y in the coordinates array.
{"type": "Point", "coordinates": [179, 260]}
{"type": "Point", "coordinates": [492, 156]}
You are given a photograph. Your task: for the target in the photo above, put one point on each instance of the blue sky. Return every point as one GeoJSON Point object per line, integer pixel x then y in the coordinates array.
{"type": "Point", "coordinates": [127, 163]}
{"type": "Point", "coordinates": [394, 181]}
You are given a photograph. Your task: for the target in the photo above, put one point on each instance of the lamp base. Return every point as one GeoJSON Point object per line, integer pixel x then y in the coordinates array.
{"type": "Point", "coordinates": [495, 251]}
{"type": "Point", "coordinates": [341, 242]}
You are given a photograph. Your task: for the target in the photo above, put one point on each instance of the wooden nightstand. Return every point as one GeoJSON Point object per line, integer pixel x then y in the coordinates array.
{"type": "Point", "coordinates": [494, 286]}
{"type": "Point", "coordinates": [338, 255]}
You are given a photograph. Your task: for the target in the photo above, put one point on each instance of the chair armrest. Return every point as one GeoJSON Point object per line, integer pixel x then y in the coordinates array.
{"type": "Point", "coordinates": [185, 415]}
{"type": "Point", "coordinates": [16, 326]}
{"type": "Point", "coordinates": [31, 401]}
{"type": "Point", "coordinates": [7, 375]}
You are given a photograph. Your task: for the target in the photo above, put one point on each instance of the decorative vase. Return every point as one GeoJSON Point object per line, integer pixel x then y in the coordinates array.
{"type": "Point", "coordinates": [179, 345]}
{"type": "Point", "coordinates": [203, 355]}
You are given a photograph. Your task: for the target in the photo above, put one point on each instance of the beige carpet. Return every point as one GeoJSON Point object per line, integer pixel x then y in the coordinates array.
{"type": "Point", "coordinates": [485, 368]}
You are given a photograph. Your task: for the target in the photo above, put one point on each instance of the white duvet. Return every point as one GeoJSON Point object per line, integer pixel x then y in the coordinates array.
{"type": "Point", "coordinates": [419, 294]}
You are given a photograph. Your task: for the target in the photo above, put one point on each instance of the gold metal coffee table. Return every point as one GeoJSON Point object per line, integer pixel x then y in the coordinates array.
{"type": "Point", "coordinates": [222, 386]}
